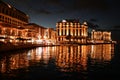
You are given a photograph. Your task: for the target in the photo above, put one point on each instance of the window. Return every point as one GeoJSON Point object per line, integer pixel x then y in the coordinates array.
{"type": "Point", "coordinates": [0, 30]}
{"type": "Point", "coordinates": [0, 16]}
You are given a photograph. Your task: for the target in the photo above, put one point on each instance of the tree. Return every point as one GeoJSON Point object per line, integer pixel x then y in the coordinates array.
{"type": "Point", "coordinates": [69, 37]}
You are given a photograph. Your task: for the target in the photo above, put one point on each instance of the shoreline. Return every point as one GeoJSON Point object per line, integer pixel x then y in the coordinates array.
{"type": "Point", "coordinates": [5, 47]}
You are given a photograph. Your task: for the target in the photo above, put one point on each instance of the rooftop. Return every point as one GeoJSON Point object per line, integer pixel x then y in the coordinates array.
{"type": "Point", "coordinates": [69, 20]}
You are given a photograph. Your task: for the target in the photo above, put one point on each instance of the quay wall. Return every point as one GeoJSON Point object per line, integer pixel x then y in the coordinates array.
{"type": "Point", "coordinates": [4, 47]}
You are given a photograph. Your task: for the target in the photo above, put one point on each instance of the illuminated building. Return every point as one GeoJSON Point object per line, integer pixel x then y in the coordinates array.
{"type": "Point", "coordinates": [70, 30]}
{"type": "Point", "coordinates": [100, 36]}
{"type": "Point", "coordinates": [35, 32]}
{"type": "Point", "coordinates": [15, 28]}
{"type": "Point", "coordinates": [11, 15]}
{"type": "Point", "coordinates": [50, 36]}
{"type": "Point", "coordinates": [40, 34]}
{"type": "Point", "coordinates": [11, 23]}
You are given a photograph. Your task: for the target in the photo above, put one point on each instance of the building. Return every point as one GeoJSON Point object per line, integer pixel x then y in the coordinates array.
{"type": "Point", "coordinates": [100, 36]}
{"type": "Point", "coordinates": [16, 29]}
{"type": "Point", "coordinates": [50, 36]}
{"type": "Point", "coordinates": [70, 30]}
{"type": "Point", "coordinates": [11, 15]}
{"type": "Point", "coordinates": [40, 35]}
{"type": "Point", "coordinates": [12, 21]}
{"type": "Point", "coordinates": [35, 32]}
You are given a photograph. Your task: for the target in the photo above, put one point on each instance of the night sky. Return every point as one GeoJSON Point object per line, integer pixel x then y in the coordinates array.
{"type": "Point", "coordinates": [104, 13]}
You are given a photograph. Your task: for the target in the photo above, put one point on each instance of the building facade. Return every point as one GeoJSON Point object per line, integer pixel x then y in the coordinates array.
{"type": "Point", "coordinates": [50, 36]}
{"type": "Point", "coordinates": [35, 32]}
{"type": "Point", "coordinates": [11, 15]}
{"type": "Point", "coordinates": [12, 21]}
{"type": "Point", "coordinates": [70, 30]}
{"type": "Point", "coordinates": [100, 36]}
{"type": "Point", "coordinates": [40, 35]}
{"type": "Point", "coordinates": [16, 29]}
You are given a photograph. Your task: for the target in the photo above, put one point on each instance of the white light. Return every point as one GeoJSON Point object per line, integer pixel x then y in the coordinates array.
{"type": "Point", "coordinates": [63, 20]}
{"type": "Point", "coordinates": [9, 6]}
{"type": "Point", "coordinates": [39, 51]}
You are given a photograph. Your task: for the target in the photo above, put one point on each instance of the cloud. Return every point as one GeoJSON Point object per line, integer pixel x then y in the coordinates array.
{"type": "Point", "coordinates": [89, 4]}
{"type": "Point", "coordinates": [93, 20]}
{"type": "Point", "coordinates": [59, 6]}
{"type": "Point", "coordinates": [43, 11]}
{"type": "Point", "coordinates": [92, 25]}
{"type": "Point", "coordinates": [53, 2]}
{"type": "Point", "coordinates": [92, 4]}
{"type": "Point", "coordinates": [116, 27]}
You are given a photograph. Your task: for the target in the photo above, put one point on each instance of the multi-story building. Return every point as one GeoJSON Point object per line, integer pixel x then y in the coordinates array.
{"type": "Point", "coordinates": [100, 36]}
{"type": "Point", "coordinates": [70, 30]}
{"type": "Point", "coordinates": [11, 23]}
{"type": "Point", "coordinates": [11, 15]}
{"type": "Point", "coordinates": [15, 27]}
{"type": "Point", "coordinates": [40, 34]}
{"type": "Point", "coordinates": [50, 36]}
{"type": "Point", "coordinates": [35, 32]}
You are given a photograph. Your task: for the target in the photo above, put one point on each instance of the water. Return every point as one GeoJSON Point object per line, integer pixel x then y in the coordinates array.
{"type": "Point", "coordinates": [84, 62]}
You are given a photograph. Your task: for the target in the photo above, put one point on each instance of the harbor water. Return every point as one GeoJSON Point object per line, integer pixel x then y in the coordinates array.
{"type": "Point", "coordinates": [64, 62]}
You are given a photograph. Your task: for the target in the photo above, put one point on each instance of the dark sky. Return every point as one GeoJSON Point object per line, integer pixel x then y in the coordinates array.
{"type": "Point", "coordinates": [105, 13]}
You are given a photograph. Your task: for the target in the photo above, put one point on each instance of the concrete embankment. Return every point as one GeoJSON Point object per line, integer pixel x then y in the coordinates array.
{"type": "Point", "coordinates": [11, 47]}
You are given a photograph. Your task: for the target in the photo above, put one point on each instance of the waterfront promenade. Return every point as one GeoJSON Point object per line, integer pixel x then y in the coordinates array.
{"type": "Point", "coordinates": [4, 47]}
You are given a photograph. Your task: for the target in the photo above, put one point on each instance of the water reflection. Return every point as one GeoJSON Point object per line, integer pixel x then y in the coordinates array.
{"type": "Point", "coordinates": [75, 58]}
{"type": "Point", "coordinates": [15, 61]}
{"type": "Point", "coordinates": [101, 53]}
{"type": "Point", "coordinates": [41, 54]}
{"type": "Point", "coordinates": [72, 58]}
{"type": "Point", "coordinates": [67, 58]}
{"type": "Point", "coordinates": [25, 59]}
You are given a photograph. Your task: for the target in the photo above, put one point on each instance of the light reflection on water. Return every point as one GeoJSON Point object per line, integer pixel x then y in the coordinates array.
{"type": "Point", "coordinates": [65, 58]}
{"type": "Point", "coordinates": [75, 58]}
